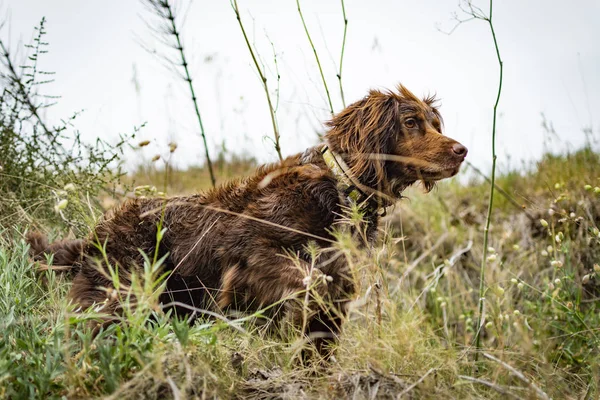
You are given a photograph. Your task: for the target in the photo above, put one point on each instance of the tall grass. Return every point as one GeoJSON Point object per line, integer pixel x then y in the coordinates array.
{"type": "Point", "coordinates": [407, 331]}
{"type": "Point", "coordinates": [410, 329]}
{"type": "Point", "coordinates": [43, 166]}
{"type": "Point", "coordinates": [263, 79]}
{"type": "Point", "coordinates": [477, 13]}
{"type": "Point", "coordinates": [167, 31]}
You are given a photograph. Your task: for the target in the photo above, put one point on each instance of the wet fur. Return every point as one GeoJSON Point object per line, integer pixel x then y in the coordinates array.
{"type": "Point", "coordinates": [236, 259]}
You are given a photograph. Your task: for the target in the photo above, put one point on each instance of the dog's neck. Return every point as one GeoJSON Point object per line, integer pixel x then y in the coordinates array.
{"type": "Point", "coordinates": [362, 186]}
{"type": "Point", "coordinates": [341, 171]}
{"type": "Point", "coordinates": [352, 187]}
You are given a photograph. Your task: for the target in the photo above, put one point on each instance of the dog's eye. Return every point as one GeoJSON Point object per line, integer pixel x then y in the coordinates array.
{"type": "Point", "coordinates": [410, 123]}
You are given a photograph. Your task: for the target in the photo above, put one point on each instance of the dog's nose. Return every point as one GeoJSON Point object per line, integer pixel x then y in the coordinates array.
{"type": "Point", "coordinates": [460, 150]}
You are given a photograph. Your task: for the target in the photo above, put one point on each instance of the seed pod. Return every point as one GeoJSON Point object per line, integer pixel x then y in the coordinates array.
{"type": "Point", "coordinates": [61, 205]}
{"type": "Point", "coordinates": [144, 143]}
{"type": "Point", "coordinates": [570, 305]}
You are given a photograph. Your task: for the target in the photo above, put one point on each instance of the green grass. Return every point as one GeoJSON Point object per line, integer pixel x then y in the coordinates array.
{"type": "Point", "coordinates": [411, 328]}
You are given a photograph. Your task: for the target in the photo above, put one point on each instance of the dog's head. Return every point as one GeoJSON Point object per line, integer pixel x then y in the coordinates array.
{"type": "Point", "coordinates": [391, 140]}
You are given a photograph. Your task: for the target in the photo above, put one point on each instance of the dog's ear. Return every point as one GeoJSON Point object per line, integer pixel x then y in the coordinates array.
{"type": "Point", "coordinates": [365, 130]}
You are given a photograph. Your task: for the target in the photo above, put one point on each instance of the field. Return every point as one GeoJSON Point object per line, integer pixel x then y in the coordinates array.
{"type": "Point", "coordinates": [422, 324]}
{"type": "Point", "coordinates": [412, 326]}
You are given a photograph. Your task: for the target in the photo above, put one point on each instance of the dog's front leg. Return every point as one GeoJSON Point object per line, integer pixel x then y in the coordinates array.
{"type": "Point", "coordinates": [313, 299]}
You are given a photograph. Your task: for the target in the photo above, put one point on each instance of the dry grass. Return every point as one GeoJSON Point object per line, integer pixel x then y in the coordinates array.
{"type": "Point", "coordinates": [411, 329]}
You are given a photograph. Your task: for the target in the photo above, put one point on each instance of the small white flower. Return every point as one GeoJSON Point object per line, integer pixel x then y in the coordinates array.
{"type": "Point", "coordinates": [491, 250]}
{"type": "Point", "coordinates": [520, 286]}
{"type": "Point", "coordinates": [544, 253]}
{"type": "Point", "coordinates": [585, 279]}
{"type": "Point", "coordinates": [557, 282]}
{"type": "Point", "coordinates": [517, 312]}
{"type": "Point", "coordinates": [514, 280]}
{"type": "Point", "coordinates": [556, 263]}
{"type": "Point", "coordinates": [596, 268]}
{"type": "Point", "coordinates": [492, 257]}
{"type": "Point", "coordinates": [306, 280]}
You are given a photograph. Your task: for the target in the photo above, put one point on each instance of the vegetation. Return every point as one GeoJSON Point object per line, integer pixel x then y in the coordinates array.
{"type": "Point", "coordinates": [412, 322]}
{"type": "Point", "coordinates": [42, 165]}
{"type": "Point", "coordinates": [411, 331]}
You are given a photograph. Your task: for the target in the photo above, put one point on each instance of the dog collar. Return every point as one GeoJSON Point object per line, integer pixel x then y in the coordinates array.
{"type": "Point", "coordinates": [338, 168]}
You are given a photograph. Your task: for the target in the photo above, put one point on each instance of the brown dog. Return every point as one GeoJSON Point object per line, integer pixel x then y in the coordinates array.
{"type": "Point", "coordinates": [226, 248]}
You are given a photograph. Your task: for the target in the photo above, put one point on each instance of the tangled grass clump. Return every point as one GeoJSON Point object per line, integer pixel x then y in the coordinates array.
{"type": "Point", "coordinates": [42, 166]}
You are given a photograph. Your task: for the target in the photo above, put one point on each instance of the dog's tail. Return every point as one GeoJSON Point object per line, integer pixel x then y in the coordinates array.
{"type": "Point", "coordinates": [66, 253]}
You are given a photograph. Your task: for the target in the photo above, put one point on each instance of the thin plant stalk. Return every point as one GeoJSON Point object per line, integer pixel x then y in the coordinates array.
{"type": "Point", "coordinates": [492, 187]}
{"type": "Point", "coordinates": [263, 79]}
{"type": "Point", "coordinates": [339, 75]}
{"type": "Point", "coordinates": [17, 79]}
{"type": "Point", "coordinates": [188, 79]}
{"type": "Point", "coordinates": [317, 56]}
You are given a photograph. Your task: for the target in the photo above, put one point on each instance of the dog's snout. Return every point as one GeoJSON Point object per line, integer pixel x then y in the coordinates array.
{"type": "Point", "coordinates": [460, 150]}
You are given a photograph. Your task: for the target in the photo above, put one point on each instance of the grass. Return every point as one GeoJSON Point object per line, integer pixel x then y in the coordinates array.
{"type": "Point", "coordinates": [411, 328]}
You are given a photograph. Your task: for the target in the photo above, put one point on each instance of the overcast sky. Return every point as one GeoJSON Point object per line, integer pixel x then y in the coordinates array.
{"type": "Point", "coordinates": [549, 47]}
